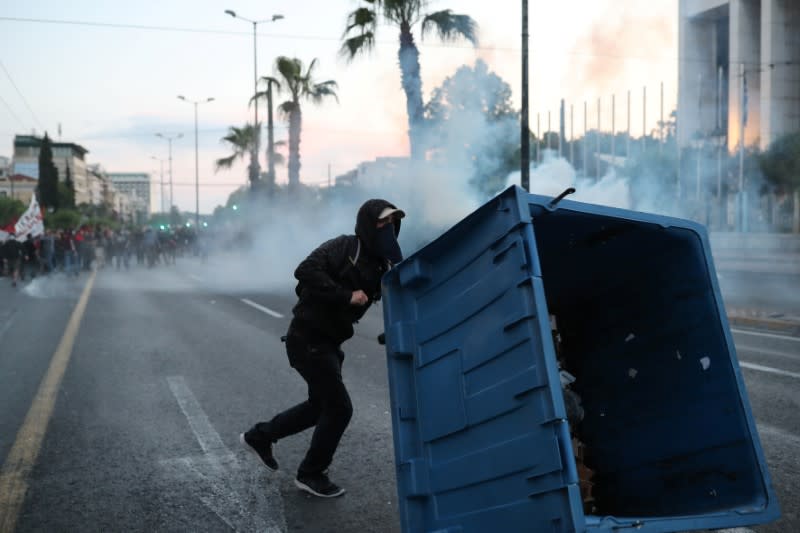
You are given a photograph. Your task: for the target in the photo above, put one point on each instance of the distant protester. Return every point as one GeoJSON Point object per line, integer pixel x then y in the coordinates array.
{"type": "Point", "coordinates": [337, 283]}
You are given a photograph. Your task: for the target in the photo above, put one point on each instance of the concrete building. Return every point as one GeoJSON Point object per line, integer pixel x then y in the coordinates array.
{"type": "Point", "coordinates": [732, 49]}
{"type": "Point", "coordinates": [5, 167]}
{"type": "Point", "coordinates": [135, 186]}
{"type": "Point", "coordinates": [65, 155]}
{"type": "Point", "coordinates": [18, 186]}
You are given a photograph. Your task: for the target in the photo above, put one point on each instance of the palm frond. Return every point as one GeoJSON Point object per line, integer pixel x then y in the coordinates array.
{"type": "Point", "coordinates": [354, 45]}
{"type": "Point", "coordinates": [256, 97]}
{"type": "Point", "coordinates": [319, 91]}
{"type": "Point", "coordinates": [400, 11]}
{"type": "Point", "coordinates": [363, 18]}
{"type": "Point", "coordinates": [288, 67]}
{"type": "Point", "coordinates": [285, 109]}
{"type": "Point", "coordinates": [310, 71]}
{"type": "Point", "coordinates": [224, 163]}
{"type": "Point", "coordinates": [451, 27]}
{"type": "Point", "coordinates": [266, 81]}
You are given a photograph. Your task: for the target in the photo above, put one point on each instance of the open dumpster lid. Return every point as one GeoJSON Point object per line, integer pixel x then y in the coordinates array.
{"type": "Point", "coordinates": [480, 433]}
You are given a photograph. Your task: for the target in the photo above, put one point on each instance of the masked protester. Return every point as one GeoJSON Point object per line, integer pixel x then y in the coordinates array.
{"type": "Point", "coordinates": [336, 285]}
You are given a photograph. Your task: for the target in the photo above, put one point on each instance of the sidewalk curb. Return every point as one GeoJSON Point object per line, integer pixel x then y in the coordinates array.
{"type": "Point", "coordinates": [779, 326]}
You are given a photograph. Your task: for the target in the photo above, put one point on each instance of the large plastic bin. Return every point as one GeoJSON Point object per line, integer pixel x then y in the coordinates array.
{"type": "Point", "coordinates": [480, 433]}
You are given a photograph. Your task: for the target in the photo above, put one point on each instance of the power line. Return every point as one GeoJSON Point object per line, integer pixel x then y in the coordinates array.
{"type": "Point", "coordinates": [420, 43]}
{"type": "Point", "coordinates": [21, 95]}
{"type": "Point", "coordinates": [12, 112]}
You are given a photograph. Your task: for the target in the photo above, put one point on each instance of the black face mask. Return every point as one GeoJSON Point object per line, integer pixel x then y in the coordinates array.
{"type": "Point", "coordinates": [386, 244]}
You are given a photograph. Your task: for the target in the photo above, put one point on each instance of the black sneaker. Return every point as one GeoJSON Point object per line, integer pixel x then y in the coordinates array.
{"type": "Point", "coordinates": [263, 452]}
{"type": "Point", "coordinates": [318, 485]}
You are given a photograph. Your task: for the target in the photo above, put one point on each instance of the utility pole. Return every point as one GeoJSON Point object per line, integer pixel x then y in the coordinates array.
{"type": "Point", "coordinates": [254, 166]}
{"type": "Point", "coordinates": [742, 122]}
{"type": "Point", "coordinates": [169, 140]}
{"type": "Point", "coordinates": [585, 142]}
{"type": "Point", "coordinates": [562, 127]}
{"type": "Point", "coordinates": [525, 146]}
{"type": "Point", "coordinates": [196, 160]}
{"type": "Point", "coordinates": [613, 128]}
{"type": "Point", "coordinates": [161, 164]}
{"type": "Point", "coordinates": [597, 143]}
{"type": "Point", "coordinates": [628, 134]}
{"type": "Point", "coordinates": [572, 134]}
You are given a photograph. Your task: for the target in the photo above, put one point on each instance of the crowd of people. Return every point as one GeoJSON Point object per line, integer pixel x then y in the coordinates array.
{"type": "Point", "coordinates": [71, 252]}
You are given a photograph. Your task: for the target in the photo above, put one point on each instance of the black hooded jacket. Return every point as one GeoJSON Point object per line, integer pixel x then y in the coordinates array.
{"type": "Point", "coordinates": [330, 274]}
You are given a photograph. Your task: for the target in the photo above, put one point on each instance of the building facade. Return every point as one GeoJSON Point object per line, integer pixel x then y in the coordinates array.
{"type": "Point", "coordinates": [739, 71]}
{"type": "Point", "coordinates": [18, 186]}
{"type": "Point", "coordinates": [135, 186]}
{"type": "Point", "coordinates": [65, 156]}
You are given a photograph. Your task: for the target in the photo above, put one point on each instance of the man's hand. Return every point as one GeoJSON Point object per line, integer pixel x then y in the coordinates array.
{"type": "Point", "coordinates": [359, 297]}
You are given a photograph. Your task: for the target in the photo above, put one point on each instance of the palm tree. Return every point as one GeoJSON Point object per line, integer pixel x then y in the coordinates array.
{"type": "Point", "coordinates": [269, 82]}
{"type": "Point", "coordinates": [301, 86]}
{"type": "Point", "coordinates": [359, 37]}
{"type": "Point", "coordinates": [242, 141]}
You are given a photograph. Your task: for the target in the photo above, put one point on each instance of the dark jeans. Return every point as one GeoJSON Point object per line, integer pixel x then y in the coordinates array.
{"type": "Point", "coordinates": [328, 406]}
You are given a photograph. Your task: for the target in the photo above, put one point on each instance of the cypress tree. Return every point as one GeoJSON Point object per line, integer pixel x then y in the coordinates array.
{"type": "Point", "coordinates": [48, 176]}
{"type": "Point", "coordinates": [70, 204]}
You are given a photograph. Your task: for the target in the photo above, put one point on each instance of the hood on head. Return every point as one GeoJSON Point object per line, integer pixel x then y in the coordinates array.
{"type": "Point", "coordinates": [367, 220]}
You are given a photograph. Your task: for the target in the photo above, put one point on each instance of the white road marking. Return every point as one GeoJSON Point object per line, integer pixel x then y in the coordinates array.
{"type": "Point", "coordinates": [754, 349]}
{"type": "Point", "coordinates": [768, 335]}
{"type": "Point", "coordinates": [196, 278]}
{"type": "Point", "coordinates": [767, 429]}
{"type": "Point", "coordinates": [238, 494]}
{"type": "Point", "coordinates": [770, 370]}
{"type": "Point", "coordinates": [207, 436]}
{"type": "Point", "coordinates": [261, 308]}
{"type": "Point", "coordinates": [7, 325]}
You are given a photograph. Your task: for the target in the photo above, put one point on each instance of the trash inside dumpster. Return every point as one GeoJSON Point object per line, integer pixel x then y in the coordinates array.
{"type": "Point", "coordinates": [568, 367]}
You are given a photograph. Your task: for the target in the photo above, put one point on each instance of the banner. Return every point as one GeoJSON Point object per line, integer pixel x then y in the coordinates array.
{"type": "Point", "coordinates": [31, 222]}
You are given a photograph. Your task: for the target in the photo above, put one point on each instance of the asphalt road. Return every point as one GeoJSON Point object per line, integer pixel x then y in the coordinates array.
{"type": "Point", "coordinates": [170, 365]}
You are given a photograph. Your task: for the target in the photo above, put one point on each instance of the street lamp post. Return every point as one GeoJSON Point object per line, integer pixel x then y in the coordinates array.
{"type": "Point", "coordinates": [254, 165]}
{"type": "Point", "coordinates": [169, 140]}
{"type": "Point", "coordinates": [196, 171]}
{"type": "Point", "coordinates": [161, 164]}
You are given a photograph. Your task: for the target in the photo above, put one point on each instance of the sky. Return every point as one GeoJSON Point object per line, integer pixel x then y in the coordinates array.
{"type": "Point", "coordinates": [109, 73]}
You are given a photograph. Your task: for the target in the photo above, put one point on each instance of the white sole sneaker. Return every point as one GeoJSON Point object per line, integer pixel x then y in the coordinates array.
{"type": "Point", "coordinates": [302, 486]}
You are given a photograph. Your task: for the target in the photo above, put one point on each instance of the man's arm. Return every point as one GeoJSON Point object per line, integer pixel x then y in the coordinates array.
{"type": "Point", "coordinates": [314, 272]}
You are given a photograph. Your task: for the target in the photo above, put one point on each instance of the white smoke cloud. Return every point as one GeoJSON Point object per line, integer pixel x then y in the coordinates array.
{"type": "Point", "coordinates": [555, 174]}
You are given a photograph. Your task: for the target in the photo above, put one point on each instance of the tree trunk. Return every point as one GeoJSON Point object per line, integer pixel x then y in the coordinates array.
{"type": "Point", "coordinates": [270, 142]}
{"type": "Point", "coordinates": [255, 167]}
{"type": "Point", "coordinates": [408, 56]}
{"type": "Point", "coordinates": [295, 125]}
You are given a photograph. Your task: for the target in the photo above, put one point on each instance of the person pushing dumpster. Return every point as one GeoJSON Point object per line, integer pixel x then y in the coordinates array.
{"type": "Point", "coordinates": [336, 284]}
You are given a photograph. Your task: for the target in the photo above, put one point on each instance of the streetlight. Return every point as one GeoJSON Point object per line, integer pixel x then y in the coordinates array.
{"type": "Point", "coordinates": [169, 140]}
{"type": "Point", "coordinates": [161, 162]}
{"type": "Point", "coordinates": [255, 168]}
{"type": "Point", "coordinates": [196, 171]}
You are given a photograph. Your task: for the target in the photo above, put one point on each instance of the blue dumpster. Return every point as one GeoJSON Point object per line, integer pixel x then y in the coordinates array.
{"type": "Point", "coordinates": [481, 437]}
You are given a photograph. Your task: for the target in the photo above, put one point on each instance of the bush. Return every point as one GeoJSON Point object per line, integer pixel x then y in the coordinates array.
{"type": "Point", "coordinates": [10, 209]}
{"type": "Point", "coordinates": [62, 219]}
{"type": "Point", "coordinates": [781, 162]}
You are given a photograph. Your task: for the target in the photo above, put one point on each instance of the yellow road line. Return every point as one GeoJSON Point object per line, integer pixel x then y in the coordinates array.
{"type": "Point", "coordinates": [23, 454]}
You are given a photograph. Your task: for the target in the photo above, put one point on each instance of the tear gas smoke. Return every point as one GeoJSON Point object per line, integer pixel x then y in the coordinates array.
{"type": "Point", "coordinates": [555, 174]}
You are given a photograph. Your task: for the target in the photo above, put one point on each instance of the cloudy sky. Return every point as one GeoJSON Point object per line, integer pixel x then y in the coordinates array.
{"type": "Point", "coordinates": [109, 73]}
